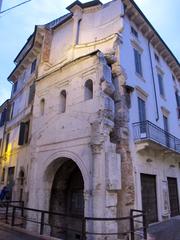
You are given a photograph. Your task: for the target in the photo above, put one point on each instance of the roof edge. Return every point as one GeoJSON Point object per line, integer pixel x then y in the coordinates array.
{"type": "Point", "coordinates": [155, 31]}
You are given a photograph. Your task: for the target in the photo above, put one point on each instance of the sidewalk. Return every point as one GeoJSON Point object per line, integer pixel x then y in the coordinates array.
{"type": "Point", "coordinates": [167, 230]}
{"type": "Point", "coordinates": [9, 234]}
{"type": "Point", "coordinates": [14, 233]}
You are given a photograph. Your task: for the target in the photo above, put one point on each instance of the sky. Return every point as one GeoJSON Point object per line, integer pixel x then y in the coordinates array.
{"type": "Point", "coordinates": [18, 24]}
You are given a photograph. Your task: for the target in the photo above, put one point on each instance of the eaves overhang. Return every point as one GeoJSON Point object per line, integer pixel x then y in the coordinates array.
{"type": "Point", "coordinates": [32, 51]}
{"type": "Point", "coordinates": [139, 19]}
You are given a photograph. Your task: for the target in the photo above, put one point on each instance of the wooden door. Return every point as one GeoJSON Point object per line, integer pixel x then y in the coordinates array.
{"type": "Point", "coordinates": [173, 196]}
{"type": "Point", "coordinates": [149, 197]}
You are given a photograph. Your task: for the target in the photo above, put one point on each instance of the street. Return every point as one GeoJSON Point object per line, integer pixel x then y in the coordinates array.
{"type": "Point", "coordinates": [8, 234]}
{"type": "Point", "coordinates": [168, 230]}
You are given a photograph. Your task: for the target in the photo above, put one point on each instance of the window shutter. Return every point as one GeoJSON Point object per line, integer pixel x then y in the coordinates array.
{"type": "Point", "coordinates": [142, 110]}
{"type": "Point", "coordinates": [33, 66]}
{"type": "Point", "coordinates": [15, 87]}
{"type": "Point", "coordinates": [31, 93]}
{"type": "Point", "coordinates": [177, 98]}
{"type": "Point", "coordinates": [3, 117]}
{"type": "Point", "coordinates": [7, 142]}
{"type": "Point", "coordinates": [138, 65]}
{"type": "Point", "coordinates": [26, 132]}
{"type": "Point", "coordinates": [21, 133]}
{"type": "Point", "coordinates": [8, 112]}
{"type": "Point", "coordinates": [161, 87]}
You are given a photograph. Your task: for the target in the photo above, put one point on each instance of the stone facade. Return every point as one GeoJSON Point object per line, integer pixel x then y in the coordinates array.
{"type": "Point", "coordinates": [71, 147]}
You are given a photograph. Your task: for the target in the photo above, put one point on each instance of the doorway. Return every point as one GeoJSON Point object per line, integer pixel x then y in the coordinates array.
{"type": "Point", "coordinates": [67, 197]}
{"type": "Point", "coordinates": [173, 196]}
{"type": "Point", "coordinates": [149, 197]}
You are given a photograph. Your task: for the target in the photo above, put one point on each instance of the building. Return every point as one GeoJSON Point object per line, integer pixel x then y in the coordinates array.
{"type": "Point", "coordinates": [95, 118]}
{"type": "Point", "coordinates": [0, 5]}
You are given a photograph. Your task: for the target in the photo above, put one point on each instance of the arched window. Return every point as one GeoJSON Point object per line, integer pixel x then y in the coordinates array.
{"type": "Point", "coordinates": [88, 91]}
{"type": "Point", "coordinates": [42, 106]}
{"type": "Point", "coordinates": [62, 101]}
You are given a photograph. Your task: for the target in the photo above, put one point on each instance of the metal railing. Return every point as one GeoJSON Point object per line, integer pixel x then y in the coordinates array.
{"type": "Point", "coordinates": [147, 130]}
{"type": "Point", "coordinates": [17, 215]}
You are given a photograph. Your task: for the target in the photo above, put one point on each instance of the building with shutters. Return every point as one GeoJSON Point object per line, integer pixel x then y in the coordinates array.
{"type": "Point", "coordinates": [94, 127]}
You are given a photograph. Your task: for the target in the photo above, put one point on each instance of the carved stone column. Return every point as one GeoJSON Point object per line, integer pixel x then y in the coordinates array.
{"type": "Point", "coordinates": [121, 136]}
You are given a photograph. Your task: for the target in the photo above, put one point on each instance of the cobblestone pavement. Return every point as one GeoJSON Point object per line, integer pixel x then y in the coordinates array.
{"type": "Point", "coordinates": [8, 234]}
{"type": "Point", "coordinates": [168, 230]}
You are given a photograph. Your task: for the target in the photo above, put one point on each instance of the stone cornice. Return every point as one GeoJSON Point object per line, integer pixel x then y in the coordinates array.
{"type": "Point", "coordinates": [30, 53]}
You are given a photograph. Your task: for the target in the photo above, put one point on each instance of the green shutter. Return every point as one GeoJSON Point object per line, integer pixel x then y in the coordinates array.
{"type": "Point", "coordinates": [31, 93]}
{"type": "Point", "coordinates": [21, 133]}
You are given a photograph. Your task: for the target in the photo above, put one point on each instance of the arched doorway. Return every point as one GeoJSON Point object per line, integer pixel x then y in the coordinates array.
{"type": "Point", "coordinates": [67, 198]}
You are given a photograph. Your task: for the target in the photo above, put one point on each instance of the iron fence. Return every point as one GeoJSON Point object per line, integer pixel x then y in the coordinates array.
{"type": "Point", "coordinates": [147, 130]}
{"type": "Point", "coordinates": [17, 215]}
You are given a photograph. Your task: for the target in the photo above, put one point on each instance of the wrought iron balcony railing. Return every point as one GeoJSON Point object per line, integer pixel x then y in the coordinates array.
{"type": "Point", "coordinates": [149, 131]}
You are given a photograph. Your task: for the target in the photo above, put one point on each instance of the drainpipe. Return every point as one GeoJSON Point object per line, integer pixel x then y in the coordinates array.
{"type": "Point", "coordinates": [154, 86]}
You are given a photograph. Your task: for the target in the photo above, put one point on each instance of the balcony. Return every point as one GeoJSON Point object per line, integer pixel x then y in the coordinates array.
{"type": "Point", "coordinates": [152, 136]}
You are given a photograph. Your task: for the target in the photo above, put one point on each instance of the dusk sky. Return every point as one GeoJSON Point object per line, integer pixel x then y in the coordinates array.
{"type": "Point", "coordinates": [16, 26]}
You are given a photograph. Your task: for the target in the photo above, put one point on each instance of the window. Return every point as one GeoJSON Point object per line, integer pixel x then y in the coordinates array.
{"type": "Point", "coordinates": [138, 64]}
{"type": "Point", "coordinates": [177, 98]}
{"type": "Point", "coordinates": [78, 31]}
{"type": "Point", "coordinates": [42, 106]}
{"type": "Point", "coordinates": [156, 57]}
{"type": "Point", "coordinates": [142, 115]}
{"type": "Point", "coordinates": [165, 121]}
{"type": "Point", "coordinates": [134, 32]}
{"type": "Point", "coordinates": [88, 91]}
{"type": "Point", "coordinates": [178, 103]}
{"type": "Point", "coordinates": [33, 66]}
{"type": "Point", "coordinates": [10, 176]}
{"type": "Point", "coordinates": [161, 86]}
{"type": "Point", "coordinates": [12, 110]}
{"type": "Point", "coordinates": [15, 87]}
{"type": "Point", "coordinates": [173, 78]}
{"type": "Point", "coordinates": [31, 93]}
{"type": "Point", "coordinates": [3, 116]}
{"type": "Point", "coordinates": [62, 101]}
{"type": "Point", "coordinates": [142, 109]}
{"type": "Point", "coordinates": [166, 128]}
{"type": "Point", "coordinates": [23, 133]}
{"type": "Point", "coordinates": [7, 142]}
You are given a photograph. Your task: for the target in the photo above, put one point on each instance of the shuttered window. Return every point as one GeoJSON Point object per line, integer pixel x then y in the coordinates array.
{"type": "Point", "coordinates": [178, 103]}
{"type": "Point", "coordinates": [7, 142]}
{"type": "Point", "coordinates": [33, 66]}
{"type": "Point", "coordinates": [177, 98]}
{"type": "Point", "coordinates": [142, 114]}
{"type": "Point", "coordinates": [23, 133]}
{"type": "Point", "coordinates": [142, 110]}
{"type": "Point", "coordinates": [161, 85]}
{"type": "Point", "coordinates": [31, 93]}
{"type": "Point", "coordinates": [3, 117]}
{"type": "Point", "coordinates": [138, 64]}
{"type": "Point", "coordinates": [134, 32]}
{"type": "Point", "coordinates": [15, 87]}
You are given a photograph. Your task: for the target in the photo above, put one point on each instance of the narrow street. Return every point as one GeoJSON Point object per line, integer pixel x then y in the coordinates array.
{"type": "Point", "coordinates": [8, 234]}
